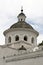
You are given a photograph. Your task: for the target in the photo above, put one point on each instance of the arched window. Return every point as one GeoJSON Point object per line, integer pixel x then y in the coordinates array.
{"type": "Point", "coordinates": [32, 40]}
{"type": "Point", "coordinates": [9, 40]}
{"type": "Point", "coordinates": [25, 38]}
{"type": "Point", "coordinates": [21, 19]}
{"type": "Point", "coordinates": [16, 38]}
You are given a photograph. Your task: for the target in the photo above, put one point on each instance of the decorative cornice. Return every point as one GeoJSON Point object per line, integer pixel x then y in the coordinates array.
{"type": "Point", "coordinates": [17, 42]}
{"type": "Point", "coordinates": [21, 29]}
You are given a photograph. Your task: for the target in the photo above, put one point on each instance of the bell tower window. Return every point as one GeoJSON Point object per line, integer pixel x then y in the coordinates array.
{"type": "Point", "coordinates": [17, 38]}
{"type": "Point", "coordinates": [9, 40]}
{"type": "Point", "coordinates": [32, 40]}
{"type": "Point", "coordinates": [25, 38]}
{"type": "Point", "coordinates": [21, 19]}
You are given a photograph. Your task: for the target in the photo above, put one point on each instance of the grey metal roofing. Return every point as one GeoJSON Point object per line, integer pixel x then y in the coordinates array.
{"type": "Point", "coordinates": [21, 24]}
{"type": "Point", "coordinates": [21, 14]}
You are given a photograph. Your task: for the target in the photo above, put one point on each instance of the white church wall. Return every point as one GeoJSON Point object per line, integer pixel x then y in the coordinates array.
{"type": "Point", "coordinates": [34, 61]}
{"type": "Point", "coordinates": [9, 52]}
{"type": "Point", "coordinates": [21, 35]}
{"type": "Point", "coordinates": [21, 17]}
{"type": "Point", "coordinates": [1, 52]}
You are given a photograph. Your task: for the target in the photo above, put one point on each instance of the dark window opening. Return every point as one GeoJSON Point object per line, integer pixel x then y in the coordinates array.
{"type": "Point", "coordinates": [9, 40]}
{"type": "Point", "coordinates": [22, 48]}
{"type": "Point", "coordinates": [32, 40]}
{"type": "Point", "coordinates": [21, 19]}
{"type": "Point", "coordinates": [16, 38]}
{"type": "Point", "coordinates": [25, 38]}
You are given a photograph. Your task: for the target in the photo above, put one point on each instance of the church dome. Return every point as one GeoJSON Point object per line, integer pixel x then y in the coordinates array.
{"type": "Point", "coordinates": [21, 14]}
{"type": "Point", "coordinates": [21, 24]}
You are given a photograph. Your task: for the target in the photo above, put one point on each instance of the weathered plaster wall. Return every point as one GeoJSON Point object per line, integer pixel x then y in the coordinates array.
{"type": "Point", "coordinates": [21, 34]}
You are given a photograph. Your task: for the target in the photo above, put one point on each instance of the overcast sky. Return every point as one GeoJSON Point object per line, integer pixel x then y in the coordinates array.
{"type": "Point", "coordinates": [33, 9]}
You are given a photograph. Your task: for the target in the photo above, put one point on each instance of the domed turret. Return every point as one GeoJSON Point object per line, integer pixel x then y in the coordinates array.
{"type": "Point", "coordinates": [21, 32]}
{"type": "Point", "coordinates": [21, 16]}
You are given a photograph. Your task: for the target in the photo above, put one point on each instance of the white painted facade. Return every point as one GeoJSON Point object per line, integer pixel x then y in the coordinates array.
{"type": "Point", "coordinates": [33, 58]}
{"type": "Point", "coordinates": [21, 51]}
{"type": "Point", "coordinates": [21, 33]}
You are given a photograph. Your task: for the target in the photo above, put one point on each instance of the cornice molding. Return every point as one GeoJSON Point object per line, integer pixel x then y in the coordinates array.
{"type": "Point", "coordinates": [32, 55]}
{"type": "Point", "coordinates": [20, 29]}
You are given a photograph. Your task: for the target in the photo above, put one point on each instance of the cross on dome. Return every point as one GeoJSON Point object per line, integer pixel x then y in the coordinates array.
{"type": "Point", "coordinates": [22, 9]}
{"type": "Point", "coordinates": [21, 16]}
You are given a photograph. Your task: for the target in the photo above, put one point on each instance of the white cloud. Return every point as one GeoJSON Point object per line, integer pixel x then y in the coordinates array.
{"type": "Point", "coordinates": [40, 38]}
{"type": "Point", "coordinates": [38, 20]}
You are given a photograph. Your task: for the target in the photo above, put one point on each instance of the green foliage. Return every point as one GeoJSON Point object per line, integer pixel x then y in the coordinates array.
{"type": "Point", "coordinates": [41, 44]}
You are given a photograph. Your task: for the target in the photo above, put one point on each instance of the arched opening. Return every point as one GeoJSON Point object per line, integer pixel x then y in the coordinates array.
{"type": "Point", "coordinates": [25, 38]}
{"type": "Point", "coordinates": [22, 48]}
{"type": "Point", "coordinates": [9, 40]}
{"type": "Point", "coordinates": [16, 38]}
{"type": "Point", "coordinates": [32, 40]}
{"type": "Point", "coordinates": [21, 19]}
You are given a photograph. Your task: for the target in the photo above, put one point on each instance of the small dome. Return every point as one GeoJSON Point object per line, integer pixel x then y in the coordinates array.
{"type": "Point", "coordinates": [21, 24]}
{"type": "Point", "coordinates": [21, 14]}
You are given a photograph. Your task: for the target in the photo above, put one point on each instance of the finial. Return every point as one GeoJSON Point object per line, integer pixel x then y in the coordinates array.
{"type": "Point", "coordinates": [22, 9]}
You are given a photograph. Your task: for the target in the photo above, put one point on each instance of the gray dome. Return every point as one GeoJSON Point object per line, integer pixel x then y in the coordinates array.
{"type": "Point", "coordinates": [21, 24]}
{"type": "Point", "coordinates": [21, 14]}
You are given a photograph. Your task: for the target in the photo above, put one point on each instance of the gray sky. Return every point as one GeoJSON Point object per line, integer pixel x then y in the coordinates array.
{"type": "Point", "coordinates": [9, 9]}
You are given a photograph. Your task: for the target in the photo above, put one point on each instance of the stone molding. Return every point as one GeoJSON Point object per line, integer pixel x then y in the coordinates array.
{"type": "Point", "coordinates": [21, 29]}
{"type": "Point", "coordinates": [32, 55]}
{"type": "Point", "coordinates": [4, 46]}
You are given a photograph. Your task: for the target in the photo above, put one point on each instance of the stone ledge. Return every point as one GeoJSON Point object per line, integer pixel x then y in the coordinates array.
{"type": "Point", "coordinates": [24, 56]}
